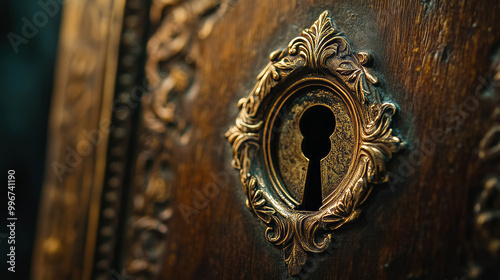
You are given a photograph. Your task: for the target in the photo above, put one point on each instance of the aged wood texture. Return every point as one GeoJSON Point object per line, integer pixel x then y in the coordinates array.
{"type": "Point", "coordinates": [80, 121]}
{"type": "Point", "coordinates": [171, 71]}
{"type": "Point", "coordinates": [187, 218]}
{"type": "Point", "coordinates": [327, 57]}
{"type": "Point", "coordinates": [430, 55]}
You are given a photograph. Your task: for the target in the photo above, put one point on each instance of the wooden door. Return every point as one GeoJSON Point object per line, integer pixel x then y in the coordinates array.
{"type": "Point", "coordinates": [152, 88]}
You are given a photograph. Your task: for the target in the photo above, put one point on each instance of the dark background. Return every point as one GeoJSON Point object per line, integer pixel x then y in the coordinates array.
{"type": "Point", "coordinates": [26, 79]}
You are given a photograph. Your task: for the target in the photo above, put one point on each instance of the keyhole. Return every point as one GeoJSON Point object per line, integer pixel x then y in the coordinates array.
{"type": "Point", "coordinates": [316, 125]}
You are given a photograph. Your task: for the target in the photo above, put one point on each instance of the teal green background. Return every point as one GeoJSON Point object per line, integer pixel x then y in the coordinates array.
{"type": "Point", "coordinates": [26, 86]}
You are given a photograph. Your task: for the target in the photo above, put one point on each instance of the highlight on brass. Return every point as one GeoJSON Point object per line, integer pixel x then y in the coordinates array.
{"type": "Point", "coordinates": [250, 139]}
{"type": "Point", "coordinates": [326, 88]}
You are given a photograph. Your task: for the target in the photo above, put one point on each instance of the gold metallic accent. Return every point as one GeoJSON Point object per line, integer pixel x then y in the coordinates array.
{"type": "Point", "coordinates": [318, 67]}
{"type": "Point", "coordinates": [82, 102]}
{"type": "Point", "coordinates": [52, 248]}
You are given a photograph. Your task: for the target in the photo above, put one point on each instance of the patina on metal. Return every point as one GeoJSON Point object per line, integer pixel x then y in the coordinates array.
{"type": "Point", "coordinates": [318, 72]}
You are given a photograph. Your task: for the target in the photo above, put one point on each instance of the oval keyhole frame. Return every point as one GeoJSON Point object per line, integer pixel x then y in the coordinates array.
{"type": "Point", "coordinates": [321, 57]}
{"type": "Point", "coordinates": [325, 92]}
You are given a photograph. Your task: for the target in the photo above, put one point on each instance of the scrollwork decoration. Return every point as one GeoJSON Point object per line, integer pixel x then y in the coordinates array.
{"type": "Point", "coordinates": [170, 69]}
{"type": "Point", "coordinates": [320, 51]}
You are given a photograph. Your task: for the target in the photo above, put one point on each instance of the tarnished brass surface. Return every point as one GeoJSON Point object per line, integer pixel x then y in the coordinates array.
{"type": "Point", "coordinates": [291, 162]}
{"type": "Point", "coordinates": [317, 67]}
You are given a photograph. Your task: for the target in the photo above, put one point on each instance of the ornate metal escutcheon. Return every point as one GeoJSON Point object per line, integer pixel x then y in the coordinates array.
{"type": "Point", "coordinates": [311, 139]}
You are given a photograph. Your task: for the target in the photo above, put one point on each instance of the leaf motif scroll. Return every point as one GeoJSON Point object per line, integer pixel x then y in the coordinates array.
{"type": "Point", "coordinates": [322, 51]}
{"type": "Point", "coordinates": [319, 42]}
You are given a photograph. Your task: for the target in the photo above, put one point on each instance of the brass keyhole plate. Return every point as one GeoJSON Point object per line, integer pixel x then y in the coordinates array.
{"type": "Point", "coordinates": [287, 164]}
{"type": "Point", "coordinates": [317, 68]}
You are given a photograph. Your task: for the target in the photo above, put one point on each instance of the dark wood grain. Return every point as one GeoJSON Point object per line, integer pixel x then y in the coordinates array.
{"type": "Point", "coordinates": [181, 213]}
{"type": "Point", "coordinates": [431, 56]}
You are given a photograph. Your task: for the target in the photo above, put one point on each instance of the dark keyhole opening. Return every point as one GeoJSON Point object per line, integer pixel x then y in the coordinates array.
{"type": "Point", "coordinates": [316, 125]}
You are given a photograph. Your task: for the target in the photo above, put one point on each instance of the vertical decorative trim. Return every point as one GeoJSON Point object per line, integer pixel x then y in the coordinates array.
{"type": "Point", "coordinates": [128, 89]}
{"type": "Point", "coordinates": [486, 214]}
{"type": "Point", "coordinates": [171, 73]}
{"type": "Point", "coordinates": [78, 137]}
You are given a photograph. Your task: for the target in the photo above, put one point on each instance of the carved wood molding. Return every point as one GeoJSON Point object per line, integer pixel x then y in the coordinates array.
{"type": "Point", "coordinates": [129, 86]}
{"type": "Point", "coordinates": [78, 137]}
{"type": "Point", "coordinates": [485, 233]}
{"type": "Point", "coordinates": [171, 71]}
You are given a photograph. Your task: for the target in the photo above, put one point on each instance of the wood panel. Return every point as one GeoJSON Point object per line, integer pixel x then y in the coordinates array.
{"type": "Point", "coordinates": [165, 202]}
{"type": "Point", "coordinates": [433, 58]}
